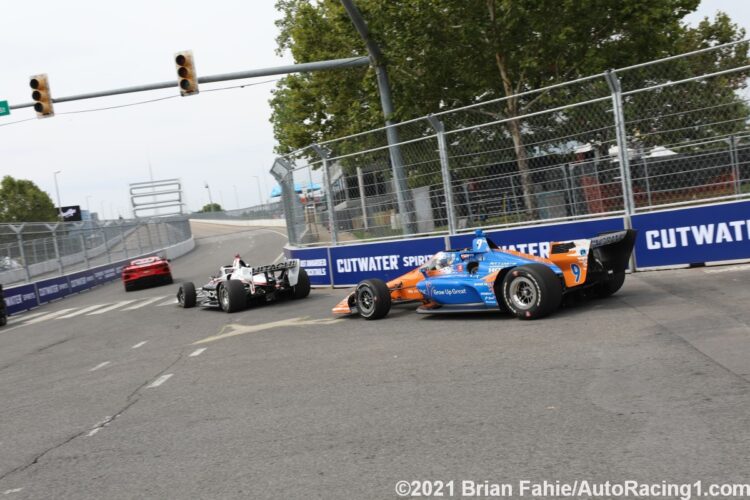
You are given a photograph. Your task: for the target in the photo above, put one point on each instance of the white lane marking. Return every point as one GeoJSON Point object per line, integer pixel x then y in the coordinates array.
{"type": "Point", "coordinates": [14, 490]}
{"type": "Point", "coordinates": [49, 316]}
{"type": "Point", "coordinates": [112, 307]}
{"type": "Point", "coordinates": [233, 329]}
{"type": "Point", "coordinates": [24, 317]}
{"type": "Point", "coordinates": [144, 303]}
{"type": "Point", "coordinates": [169, 302]}
{"type": "Point", "coordinates": [139, 344]}
{"type": "Point", "coordinates": [99, 426]}
{"type": "Point", "coordinates": [160, 380]}
{"type": "Point", "coordinates": [83, 311]}
{"type": "Point", "coordinates": [198, 352]}
{"type": "Point", "coordinates": [281, 256]}
{"type": "Point", "coordinates": [100, 365]}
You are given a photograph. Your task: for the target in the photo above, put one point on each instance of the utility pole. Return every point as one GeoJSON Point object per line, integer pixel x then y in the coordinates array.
{"type": "Point", "coordinates": [397, 162]}
{"type": "Point", "coordinates": [57, 191]}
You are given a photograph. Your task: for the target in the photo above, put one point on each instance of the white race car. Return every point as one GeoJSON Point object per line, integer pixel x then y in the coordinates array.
{"type": "Point", "coordinates": [239, 285]}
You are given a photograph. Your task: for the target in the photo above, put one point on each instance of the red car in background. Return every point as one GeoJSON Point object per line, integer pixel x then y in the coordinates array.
{"type": "Point", "coordinates": [146, 271]}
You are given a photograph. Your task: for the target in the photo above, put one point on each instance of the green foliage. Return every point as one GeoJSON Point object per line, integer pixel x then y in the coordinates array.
{"type": "Point", "coordinates": [442, 55]}
{"type": "Point", "coordinates": [22, 201]}
{"type": "Point", "coordinates": [211, 207]}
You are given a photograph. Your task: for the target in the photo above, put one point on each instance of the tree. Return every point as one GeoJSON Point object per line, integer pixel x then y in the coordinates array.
{"type": "Point", "coordinates": [22, 201]}
{"type": "Point", "coordinates": [444, 55]}
{"type": "Point", "coordinates": [211, 207]}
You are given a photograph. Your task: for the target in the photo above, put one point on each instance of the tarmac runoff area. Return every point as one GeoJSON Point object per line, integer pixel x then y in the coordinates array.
{"type": "Point", "coordinates": [115, 395]}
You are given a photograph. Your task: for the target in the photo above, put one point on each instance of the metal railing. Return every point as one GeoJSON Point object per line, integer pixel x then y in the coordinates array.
{"type": "Point", "coordinates": [665, 133]}
{"type": "Point", "coordinates": [32, 250]}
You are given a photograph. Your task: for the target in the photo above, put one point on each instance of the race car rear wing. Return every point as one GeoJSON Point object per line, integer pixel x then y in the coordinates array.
{"type": "Point", "coordinates": [291, 267]}
{"type": "Point", "coordinates": [612, 249]}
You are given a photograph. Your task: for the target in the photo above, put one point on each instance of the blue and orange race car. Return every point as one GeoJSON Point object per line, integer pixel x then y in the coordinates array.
{"type": "Point", "coordinates": [484, 277]}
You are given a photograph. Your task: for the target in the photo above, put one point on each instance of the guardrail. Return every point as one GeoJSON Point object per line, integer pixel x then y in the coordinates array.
{"type": "Point", "coordinates": [675, 237]}
{"type": "Point", "coordinates": [28, 296]}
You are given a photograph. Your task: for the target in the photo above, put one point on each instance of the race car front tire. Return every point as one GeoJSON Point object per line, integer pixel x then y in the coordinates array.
{"type": "Point", "coordinates": [611, 285]}
{"type": "Point", "coordinates": [232, 296]}
{"type": "Point", "coordinates": [373, 299]}
{"type": "Point", "coordinates": [186, 296]}
{"type": "Point", "coordinates": [532, 291]}
{"type": "Point", "coordinates": [302, 288]}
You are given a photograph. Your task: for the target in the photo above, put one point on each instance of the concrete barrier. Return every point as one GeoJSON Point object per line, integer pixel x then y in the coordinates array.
{"type": "Point", "coordinates": [246, 223]}
{"type": "Point", "coordinates": [30, 295]}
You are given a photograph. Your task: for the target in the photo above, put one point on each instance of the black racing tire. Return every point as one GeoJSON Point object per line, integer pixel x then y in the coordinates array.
{"type": "Point", "coordinates": [186, 296]}
{"type": "Point", "coordinates": [129, 287]}
{"type": "Point", "coordinates": [169, 280]}
{"type": "Point", "coordinates": [232, 296]}
{"type": "Point", "coordinates": [373, 299]}
{"type": "Point", "coordinates": [532, 291]}
{"type": "Point", "coordinates": [3, 319]}
{"type": "Point", "coordinates": [302, 288]}
{"type": "Point", "coordinates": [610, 286]}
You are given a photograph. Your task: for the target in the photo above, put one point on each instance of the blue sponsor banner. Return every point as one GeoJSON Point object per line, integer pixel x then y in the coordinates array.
{"type": "Point", "coordinates": [314, 261]}
{"type": "Point", "coordinates": [104, 274]}
{"type": "Point", "coordinates": [52, 289]}
{"type": "Point", "coordinates": [693, 235]}
{"type": "Point", "coordinates": [81, 281]}
{"type": "Point", "coordinates": [20, 298]}
{"type": "Point", "coordinates": [350, 264]}
{"type": "Point", "coordinates": [535, 240]}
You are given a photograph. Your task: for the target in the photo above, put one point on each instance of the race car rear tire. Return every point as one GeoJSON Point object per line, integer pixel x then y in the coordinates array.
{"type": "Point", "coordinates": [232, 296]}
{"type": "Point", "coordinates": [302, 288]}
{"type": "Point", "coordinates": [129, 287]}
{"type": "Point", "coordinates": [532, 291]}
{"type": "Point", "coordinates": [168, 279]}
{"type": "Point", "coordinates": [3, 319]}
{"type": "Point", "coordinates": [373, 299]}
{"type": "Point", "coordinates": [611, 285]}
{"type": "Point", "coordinates": [186, 296]}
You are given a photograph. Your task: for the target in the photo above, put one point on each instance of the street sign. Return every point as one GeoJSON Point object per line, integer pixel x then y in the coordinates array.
{"type": "Point", "coordinates": [4, 108]}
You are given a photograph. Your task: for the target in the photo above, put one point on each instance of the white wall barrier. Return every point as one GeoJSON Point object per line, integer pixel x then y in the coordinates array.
{"type": "Point", "coordinates": [247, 223]}
{"type": "Point", "coordinates": [28, 296]}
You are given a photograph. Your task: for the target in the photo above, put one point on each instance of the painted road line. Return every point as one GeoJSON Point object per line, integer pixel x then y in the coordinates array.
{"type": "Point", "coordinates": [139, 344]}
{"type": "Point", "coordinates": [14, 490]}
{"type": "Point", "coordinates": [233, 329]}
{"type": "Point", "coordinates": [99, 426]}
{"type": "Point", "coordinates": [112, 307]}
{"type": "Point", "coordinates": [84, 310]}
{"type": "Point", "coordinates": [49, 316]}
{"type": "Point", "coordinates": [198, 352]}
{"type": "Point", "coordinates": [160, 380]}
{"type": "Point", "coordinates": [24, 317]}
{"type": "Point", "coordinates": [281, 256]}
{"type": "Point", "coordinates": [100, 365]}
{"type": "Point", "coordinates": [169, 302]}
{"type": "Point", "coordinates": [145, 303]}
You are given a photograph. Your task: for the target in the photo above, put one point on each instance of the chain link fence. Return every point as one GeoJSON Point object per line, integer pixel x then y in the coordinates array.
{"type": "Point", "coordinates": [34, 250]}
{"type": "Point", "coordinates": [666, 133]}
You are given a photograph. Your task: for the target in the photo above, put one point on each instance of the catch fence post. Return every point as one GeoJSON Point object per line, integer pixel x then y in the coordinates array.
{"type": "Point", "coordinates": [450, 212]}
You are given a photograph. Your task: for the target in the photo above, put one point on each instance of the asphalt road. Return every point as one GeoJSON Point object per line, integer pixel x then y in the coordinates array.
{"type": "Point", "coordinates": [284, 401]}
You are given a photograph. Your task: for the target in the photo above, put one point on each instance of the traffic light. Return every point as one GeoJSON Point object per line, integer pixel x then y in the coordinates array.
{"type": "Point", "coordinates": [41, 96]}
{"type": "Point", "coordinates": [186, 76]}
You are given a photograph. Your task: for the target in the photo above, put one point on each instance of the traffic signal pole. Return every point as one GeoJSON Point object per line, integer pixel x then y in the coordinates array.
{"type": "Point", "coordinates": [222, 77]}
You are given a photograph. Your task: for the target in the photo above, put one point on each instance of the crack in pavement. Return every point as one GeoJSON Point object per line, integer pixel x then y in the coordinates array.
{"type": "Point", "coordinates": [67, 440]}
{"type": "Point", "coordinates": [154, 377]}
{"type": "Point", "coordinates": [91, 431]}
